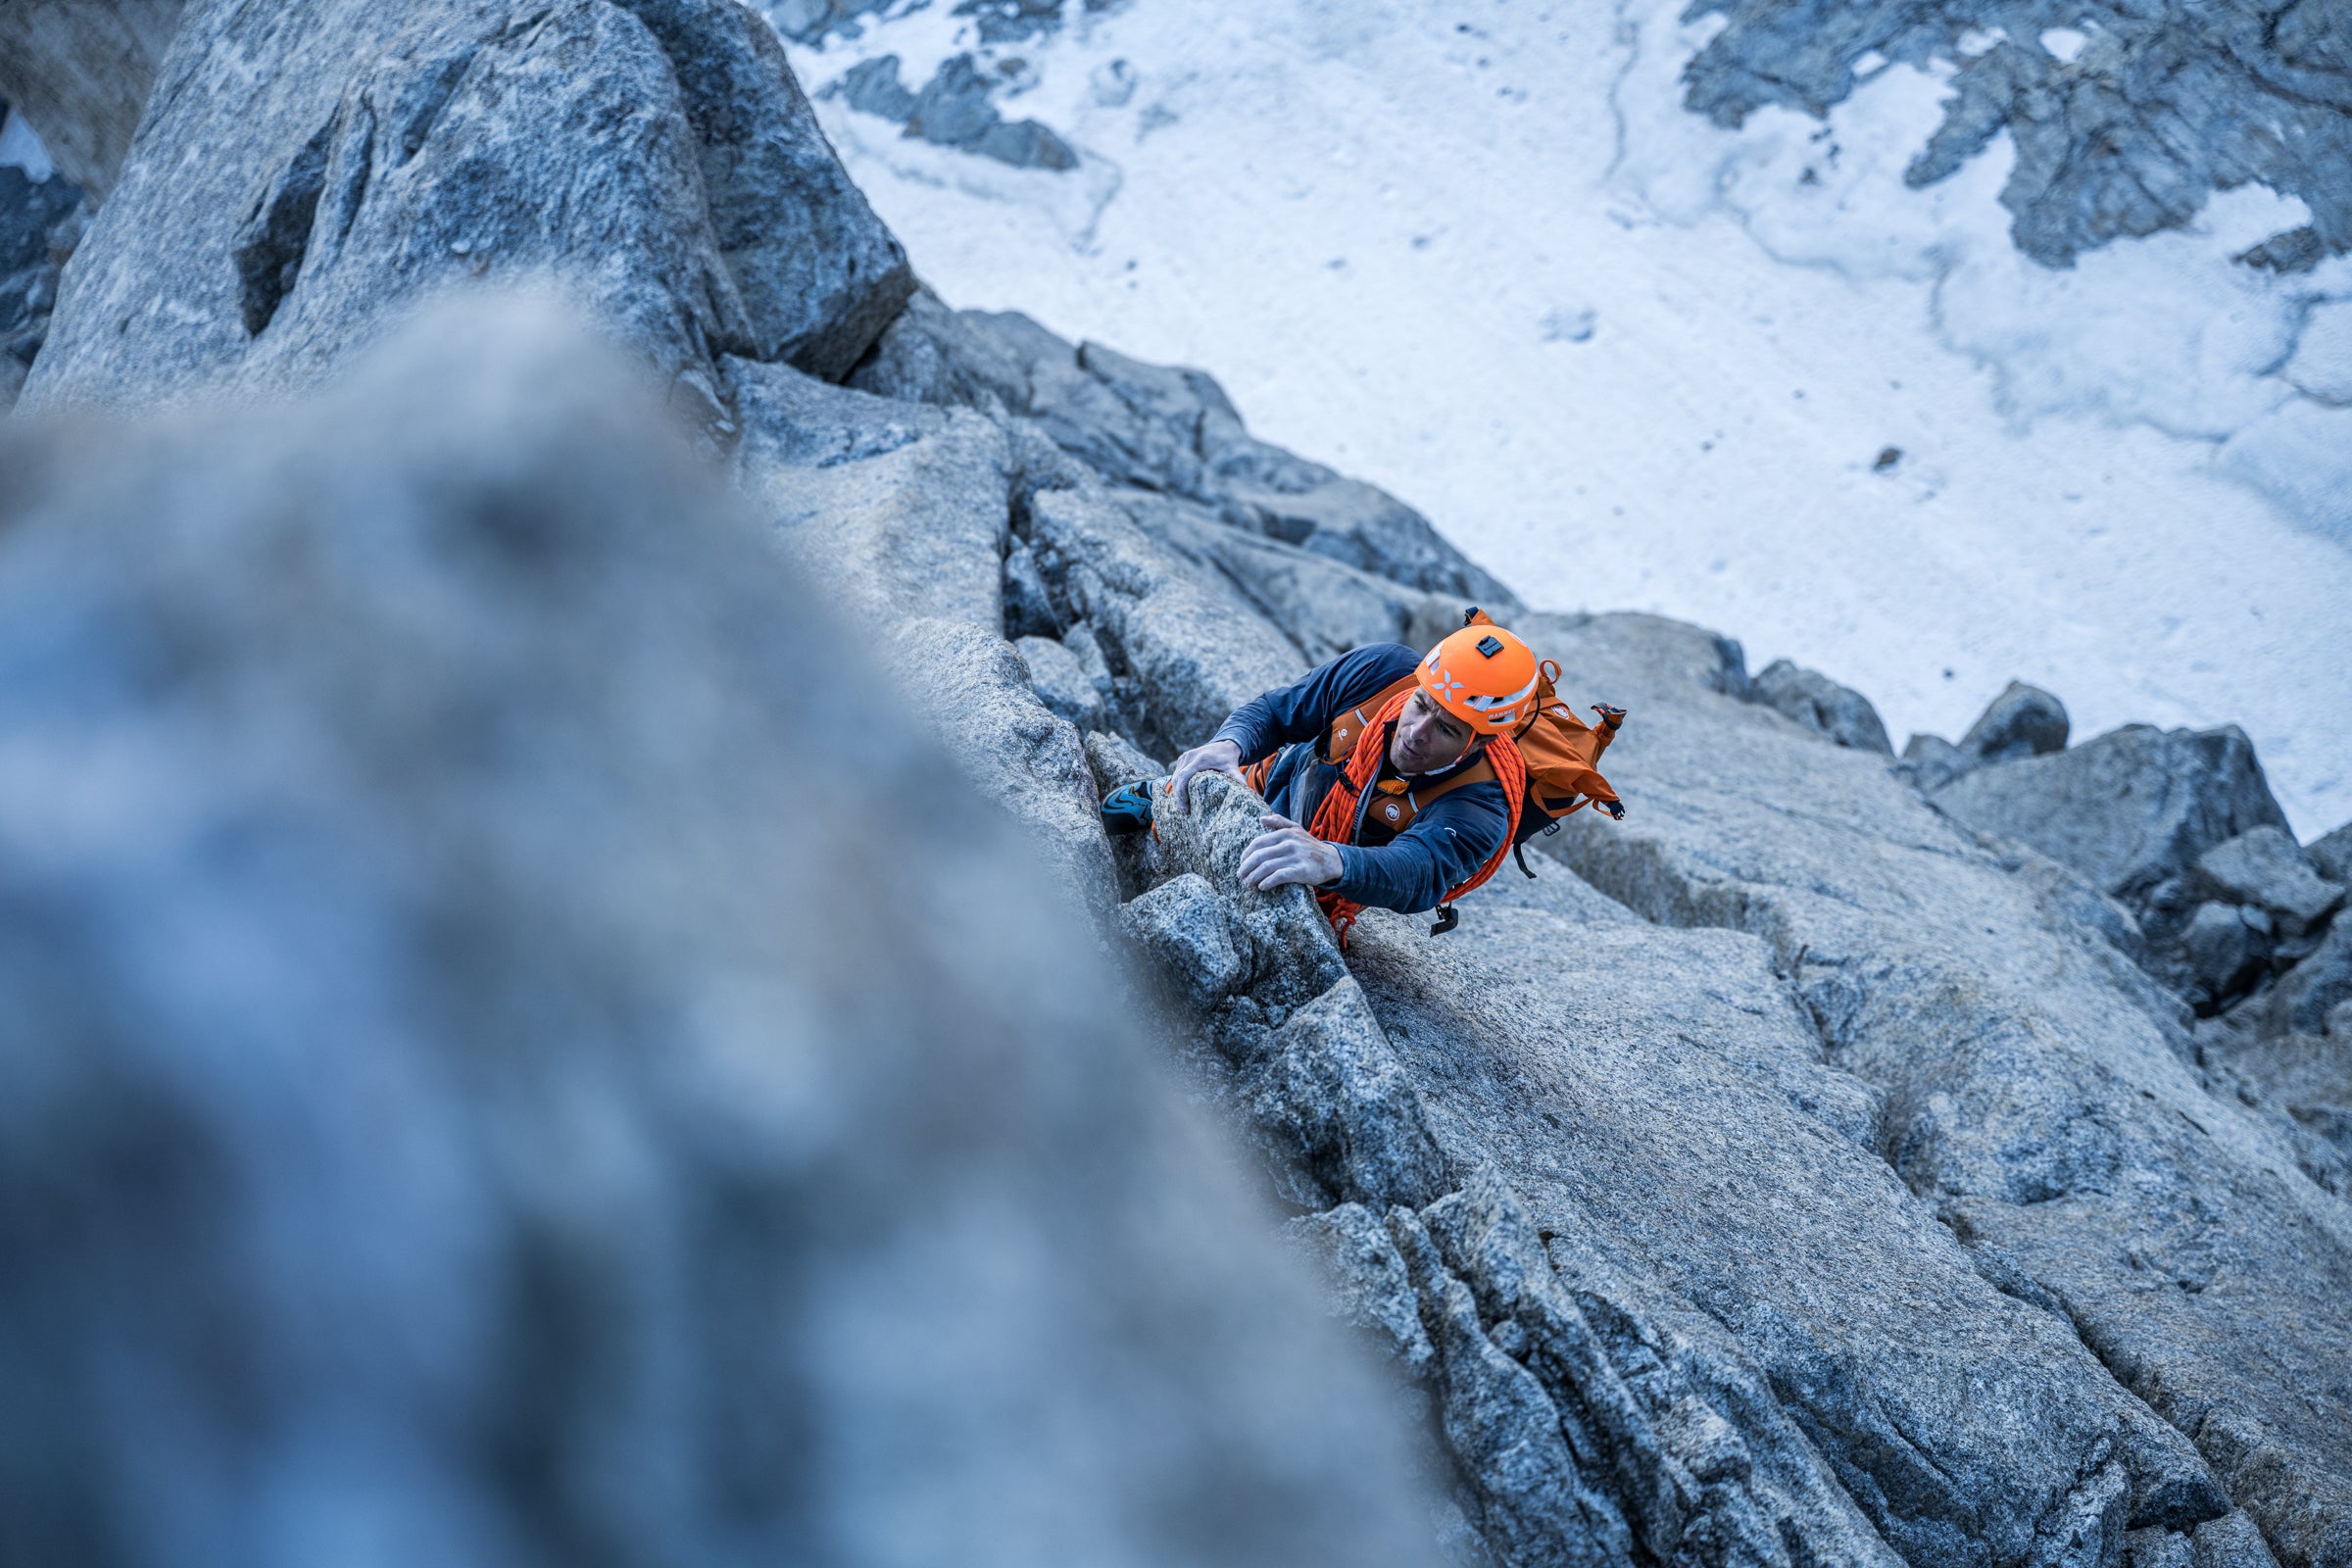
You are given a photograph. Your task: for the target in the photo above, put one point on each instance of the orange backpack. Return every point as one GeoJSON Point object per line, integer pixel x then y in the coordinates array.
{"type": "Point", "coordinates": [1562, 753]}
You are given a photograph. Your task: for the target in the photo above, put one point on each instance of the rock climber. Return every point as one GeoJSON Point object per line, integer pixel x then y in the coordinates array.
{"type": "Point", "coordinates": [1435, 817]}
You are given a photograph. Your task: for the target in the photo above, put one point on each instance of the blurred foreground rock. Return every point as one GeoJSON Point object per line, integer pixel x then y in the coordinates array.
{"type": "Point", "coordinates": [520, 1054]}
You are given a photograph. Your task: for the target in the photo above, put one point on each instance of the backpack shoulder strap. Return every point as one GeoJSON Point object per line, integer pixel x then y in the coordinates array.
{"type": "Point", "coordinates": [1479, 773]}
{"type": "Point", "coordinates": [1341, 737]}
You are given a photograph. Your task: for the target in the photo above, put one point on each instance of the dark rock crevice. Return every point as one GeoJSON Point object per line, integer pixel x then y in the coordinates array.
{"type": "Point", "coordinates": [275, 235]}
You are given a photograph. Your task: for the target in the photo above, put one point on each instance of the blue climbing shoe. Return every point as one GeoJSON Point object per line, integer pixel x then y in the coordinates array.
{"type": "Point", "coordinates": [1128, 809]}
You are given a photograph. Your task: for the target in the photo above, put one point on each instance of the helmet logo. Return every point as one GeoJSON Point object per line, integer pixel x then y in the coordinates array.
{"type": "Point", "coordinates": [1489, 645]}
{"type": "Point", "coordinates": [1392, 813]}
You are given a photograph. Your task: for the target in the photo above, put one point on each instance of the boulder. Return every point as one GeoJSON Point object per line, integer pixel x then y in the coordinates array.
{"type": "Point", "coordinates": [320, 165]}
{"type": "Point", "coordinates": [2332, 854]}
{"type": "Point", "coordinates": [2023, 721]}
{"type": "Point", "coordinates": [2267, 868]}
{"type": "Point", "coordinates": [1821, 705]}
{"type": "Point", "coordinates": [2221, 948]}
{"type": "Point", "coordinates": [1181, 926]}
{"type": "Point", "coordinates": [2317, 986]}
{"type": "Point", "coordinates": [2229, 1542]}
{"type": "Point", "coordinates": [493, 1088]}
{"type": "Point", "coordinates": [2304, 1079]}
{"type": "Point", "coordinates": [81, 70]}
{"type": "Point", "coordinates": [933, 353]}
{"type": "Point", "coordinates": [1933, 761]}
{"type": "Point", "coordinates": [2233, 1540]}
{"type": "Point", "coordinates": [2132, 809]}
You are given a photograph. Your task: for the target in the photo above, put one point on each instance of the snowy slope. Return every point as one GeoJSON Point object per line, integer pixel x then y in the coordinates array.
{"type": "Point", "coordinates": [1480, 254]}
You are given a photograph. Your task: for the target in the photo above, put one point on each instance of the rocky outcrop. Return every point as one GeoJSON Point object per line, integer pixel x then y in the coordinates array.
{"type": "Point", "coordinates": [2138, 811]}
{"type": "Point", "coordinates": [902, 514]}
{"type": "Point", "coordinates": [482, 1079]}
{"type": "Point", "coordinates": [1168, 431]}
{"type": "Point", "coordinates": [2265, 869]}
{"type": "Point", "coordinates": [2040, 1090]}
{"type": "Point", "coordinates": [2151, 109]}
{"type": "Point", "coordinates": [2132, 809]}
{"type": "Point", "coordinates": [654, 156]}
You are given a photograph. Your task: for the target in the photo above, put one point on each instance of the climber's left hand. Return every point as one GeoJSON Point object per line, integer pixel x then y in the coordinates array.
{"type": "Point", "coordinates": [1287, 855]}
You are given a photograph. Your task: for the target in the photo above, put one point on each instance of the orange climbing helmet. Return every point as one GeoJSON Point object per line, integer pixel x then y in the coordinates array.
{"type": "Point", "coordinates": [1484, 676]}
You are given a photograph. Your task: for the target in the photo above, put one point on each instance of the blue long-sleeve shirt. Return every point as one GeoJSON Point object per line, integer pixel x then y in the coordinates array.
{"type": "Point", "coordinates": [1447, 841]}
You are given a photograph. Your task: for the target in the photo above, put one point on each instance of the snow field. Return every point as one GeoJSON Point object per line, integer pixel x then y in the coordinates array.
{"type": "Point", "coordinates": [1480, 254]}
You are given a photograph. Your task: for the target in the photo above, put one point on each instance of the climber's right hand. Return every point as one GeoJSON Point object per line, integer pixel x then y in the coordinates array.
{"type": "Point", "coordinates": [1216, 757]}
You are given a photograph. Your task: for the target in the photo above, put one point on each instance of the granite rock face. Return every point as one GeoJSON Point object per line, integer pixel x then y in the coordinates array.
{"type": "Point", "coordinates": [1188, 641]}
{"type": "Point", "coordinates": [2163, 105]}
{"type": "Point", "coordinates": [477, 1088]}
{"type": "Point", "coordinates": [1628, 1349]}
{"type": "Point", "coordinates": [654, 156]}
{"type": "Point", "coordinates": [2039, 1088]}
{"type": "Point", "coordinates": [902, 514]}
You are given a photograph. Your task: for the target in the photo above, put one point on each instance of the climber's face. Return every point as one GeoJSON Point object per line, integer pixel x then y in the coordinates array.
{"type": "Point", "coordinates": [1427, 737]}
